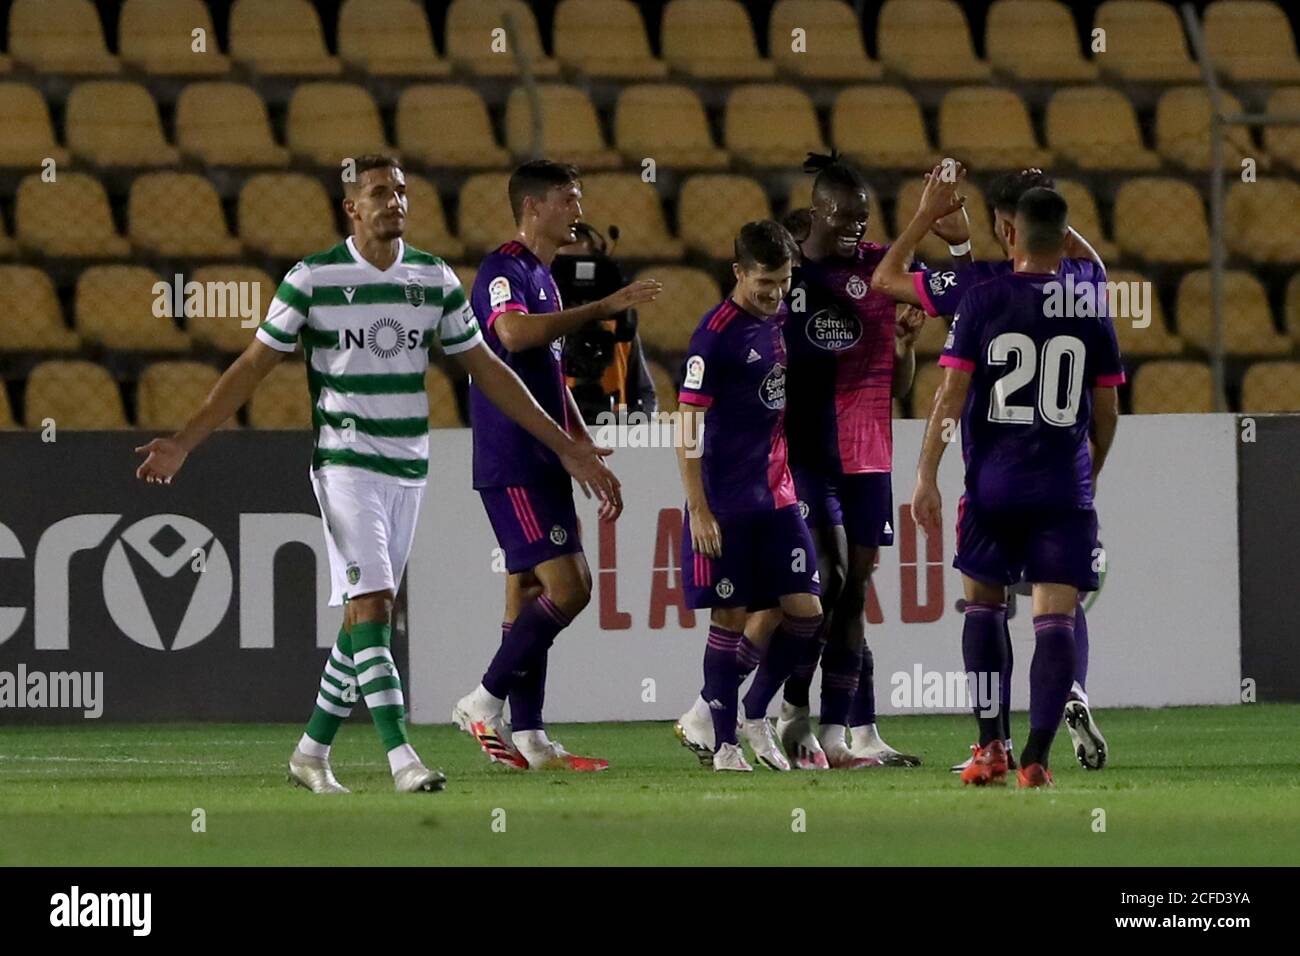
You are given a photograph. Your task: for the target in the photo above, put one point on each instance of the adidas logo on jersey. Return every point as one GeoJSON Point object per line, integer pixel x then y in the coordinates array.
{"type": "Point", "coordinates": [753, 357]}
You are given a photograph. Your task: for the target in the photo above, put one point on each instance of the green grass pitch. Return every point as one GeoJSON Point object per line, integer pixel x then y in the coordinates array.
{"type": "Point", "coordinates": [1186, 786]}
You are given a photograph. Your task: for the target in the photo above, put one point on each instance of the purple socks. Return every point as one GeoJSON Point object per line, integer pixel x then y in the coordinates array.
{"type": "Point", "coordinates": [984, 641]}
{"type": "Point", "coordinates": [1050, 674]}
{"type": "Point", "coordinates": [722, 682]}
{"type": "Point", "coordinates": [863, 709]}
{"type": "Point", "coordinates": [523, 645]}
{"type": "Point", "coordinates": [841, 669]}
{"type": "Point", "coordinates": [789, 646]}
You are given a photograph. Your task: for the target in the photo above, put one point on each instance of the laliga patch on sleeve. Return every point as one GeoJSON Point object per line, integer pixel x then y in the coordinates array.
{"type": "Point", "coordinates": [941, 280]}
{"type": "Point", "coordinates": [498, 291]}
{"type": "Point", "coordinates": [694, 372]}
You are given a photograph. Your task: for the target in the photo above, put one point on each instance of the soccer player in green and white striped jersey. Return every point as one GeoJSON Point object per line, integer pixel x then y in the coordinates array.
{"type": "Point", "coordinates": [367, 313]}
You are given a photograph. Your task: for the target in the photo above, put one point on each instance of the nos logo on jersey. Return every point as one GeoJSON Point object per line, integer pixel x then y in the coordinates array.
{"type": "Point", "coordinates": [772, 390]}
{"type": "Point", "coordinates": [384, 337]}
{"type": "Point", "coordinates": [833, 330]}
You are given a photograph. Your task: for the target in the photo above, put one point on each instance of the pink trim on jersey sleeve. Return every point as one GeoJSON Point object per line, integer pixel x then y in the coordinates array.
{"type": "Point", "coordinates": [507, 307]}
{"type": "Point", "coordinates": [918, 283]}
{"type": "Point", "coordinates": [779, 481]}
{"type": "Point", "coordinates": [695, 398]}
{"type": "Point", "coordinates": [1111, 381]}
{"type": "Point", "coordinates": [952, 361]}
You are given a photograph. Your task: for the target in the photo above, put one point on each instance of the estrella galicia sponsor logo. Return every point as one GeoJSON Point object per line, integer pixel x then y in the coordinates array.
{"type": "Point", "coordinates": [385, 337]}
{"type": "Point", "coordinates": [75, 908]}
{"type": "Point", "coordinates": [771, 392]}
{"type": "Point", "coordinates": [559, 535]}
{"type": "Point", "coordinates": [834, 330]}
{"type": "Point", "coordinates": [725, 588]}
{"type": "Point", "coordinates": [414, 294]}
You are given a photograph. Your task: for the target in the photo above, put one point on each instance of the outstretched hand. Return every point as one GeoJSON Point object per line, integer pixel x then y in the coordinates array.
{"type": "Point", "coordinates": [163, 458]}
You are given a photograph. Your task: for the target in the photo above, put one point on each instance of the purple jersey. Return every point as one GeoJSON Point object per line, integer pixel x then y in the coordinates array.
{"type": "Point", "coordinates": [735, 368]}
{"type": "Point", "coordinates": [512, 279]}
{"type": "Point", "coordinates": [940, 290]}
{"type": "Point", "coordinates": [841, 339]}
{"type": "Point", "coordinates": [1025, 426]}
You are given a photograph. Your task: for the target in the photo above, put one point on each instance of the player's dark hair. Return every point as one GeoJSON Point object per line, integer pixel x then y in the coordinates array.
{"type": "Point", "coordinates": [1043, 216]}
{"type": "Point", "coordinates": [1006, 190]}
{"type": "Point", "coordinates": [798, 222]}
{"type": "Point", "coordinates": [360, 164]}
{"type": "Point", "coordinates": [834, 173]}
{"type": "Point", "coordinates": [765, 244]}
{"type": "Point", "coordinates": [536, 178]}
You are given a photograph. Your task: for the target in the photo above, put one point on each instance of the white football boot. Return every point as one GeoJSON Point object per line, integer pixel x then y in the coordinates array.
{"type": "Point", "coordinates": [313, 773]}
{"type": "Point", "coordinates": [417, 778]}
{"type": "Point", "coordinates": [758, 734]}
{"type": "Point", "coordinates": [489, 730]}
{"type": "Point", "coordinates": [731, 757]}
{"type": "Point", "coordinates": [1089, 744]}
{"type": "Point", "coordinates": [794, 729]}
{"type": "Point", "coordinates": [868, 745]}
{"type": "Point", "coordinates": [695, 731]}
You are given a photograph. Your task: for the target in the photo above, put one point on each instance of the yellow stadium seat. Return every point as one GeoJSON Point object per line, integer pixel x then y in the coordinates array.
{"type": "Point", "coordinates": [7, 420]}
{"type": "Point", "coordinates": [168, 393]}
{"type": "Point", "coordinates": [1293, 308]}
{"type": "Point", "coordinates": [478, 40]}
{"type": "Point", "coordinates": [124, 308]}
{"type": "Point", "coordinates": [712, 40]}
{"type": "Point", "coordinates": [157, 36]}
{"type": "Point", "coordinates": [329, 122]}
{"type": "Point", "coordinates": [388, 38]}
{"type": "Point", "coordinates": [605, 39]}
{"type": "Point", "coordinates": [6, 64]}
{"type": "Point", "coordinates": [280, 38]}
{"type": "Point", "coordinates": [443, 411]}
{"type": "Point", "coordinates": [74, 395]}
{"type": "Point", "coordinates": [666, 324]}
{"type": "Point", "coordinates": [1247, 320]}
{"type": "Point", "coordinates": [570, 129]}
{"type": "Point", "coordinates": [219, 325]}
{"type": "Point", "coordinates": [929, 40]}
{"type": "Point", "coordinates": [59, 37]}
{"type": "Point", "coordinates": [67, 217]}
{"type": "Point", "coordinates": [1141, 336]}
{"type": "Point", "coordinates": [226, 124]}
{"type": "Point", "coordinates": [447, 125]}
{"type": "Point", "coordinates": [178, 214]}
{"type": "Point", "coordinates": [29, 134]}
{"type": "Point", "coordinates": [624, 200]}
{"type": "Point", "coordinates": [1259, 220]}
{"type": "Point", "coordinates": [30, 316]}
{"type": "Point", "coordinates": [881, 126]}
{"type": "Point", "coordinates": [287, 215]}
{"type": "Point", "coordinates": [1085, 219]}
{"type": "Point", "coordinates": [711, 208]}
{"type": "Point", "coordinates": [1183, 130]}
{"type": "Point", "coordinates": [667, 124]}
{"type": "Point", "coordinates": [1271, 387]}
{"type": "Point", "coordinates": [829, 49]}
{"type": "Point", "coordinates": [1096, 128]}
{"type": "Point", "coordinates": [665, 386]}
{"type": "Point", "coordinates": [801, 198]}
{"type": "Point", "coordinates": [1161, 220]}
{"type": "Point", "coordinates": [1172, 386]}
{"type": "Point", "coordinates": [932, 249]}
{"type": "Point", "coordinates": [988, 128]}
{"type": "Point", "coordinates": [1144, 42]}
{"type": "Point", "coordinates": [1035, 41]}
{"type": "Point", "coordinates": [114, 123]}
{"type": "Point", "coordinates": [929, 376]}
{"type": "Point", "coordinates": [426, 224]}
{"type": "Point", "coordinates": [8, 248]}
{"type": "Point", "coordinates": [768, 124]}
{"type": "Point", "coordinates": [1283, 142]}
{"type": "Point", "coordinates": [484, 212]}
{"type": "Point", "coordinates": [1251, 41]}
{"type": "Point", "coordinates": [281, 400]}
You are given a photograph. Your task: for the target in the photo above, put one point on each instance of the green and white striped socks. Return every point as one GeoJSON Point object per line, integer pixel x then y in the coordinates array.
{"type": "Point", "coordinates": [334, 699]}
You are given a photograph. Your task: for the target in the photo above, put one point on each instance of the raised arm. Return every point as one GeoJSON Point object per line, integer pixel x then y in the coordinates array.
{"type": "Point", "coordinates": [939, 199]}
{"type": "Point", "coordinates": [520, 331]}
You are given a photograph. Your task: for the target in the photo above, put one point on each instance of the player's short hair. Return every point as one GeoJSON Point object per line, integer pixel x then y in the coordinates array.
{"type": "Point", "coordinates": [1006, 190]}
{"type": "Point", "coordinates": [798, 222]}
{"type": "Point", "coordinates": [834, 173]}
{"type": "Point", "coordinates": [1044, 218]}
{"type": "Point", "coordinates": [536, 178]}
{"type": "Point", "coordinates": [360, 164]}
{"type": "Point", "coordinates": [764, 243]}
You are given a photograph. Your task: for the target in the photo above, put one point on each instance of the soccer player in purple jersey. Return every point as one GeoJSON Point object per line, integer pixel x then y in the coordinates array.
{"type": "Point", "coordinates": [1033, 382]}
{"type": "Point", "coordinates": [938, 291]}
{"type": "Point", "coordinates": [849, 356]}
{"type": "Point", "coordinates": [525, 489]}
{"type": "Point", "coordinates": [745, 546]}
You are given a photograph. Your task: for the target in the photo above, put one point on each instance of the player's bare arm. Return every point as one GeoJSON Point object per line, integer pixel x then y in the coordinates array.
{"type": "Point", "coordinates": [520, 331]}
{"type": "Point", "coordinates": [582, 460]}
{"type": "Point", "coordinates": [706, 534]}
{"type": "Point", "coordinates": [908, 320]}
{"type": "Point", "coordinates": [1077, 247]}
{"type": "Point", "coordinates": [165, 456]}
{"type": "Point", "coordinates": [1105, 420]}
{"type": "Point", "coordinates": [927, 503]}
{"type": "Point", "coordinates": [939, 199]}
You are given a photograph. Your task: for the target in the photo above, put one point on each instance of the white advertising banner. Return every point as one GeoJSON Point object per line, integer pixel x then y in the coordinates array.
{"type": "Point", "coordinates": [1164, 629]}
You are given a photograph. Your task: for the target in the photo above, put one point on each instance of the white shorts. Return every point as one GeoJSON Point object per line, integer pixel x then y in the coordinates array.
{"type": "Point", "coordinates": [369, 529]}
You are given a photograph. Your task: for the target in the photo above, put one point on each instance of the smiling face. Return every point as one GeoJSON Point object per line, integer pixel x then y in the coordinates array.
{"type": "Point", "coordinates": [760, 289]}
{"type": "Point", "coordinates": [839, 218]}
{"type": "Point", "coordinates": [376, 203]}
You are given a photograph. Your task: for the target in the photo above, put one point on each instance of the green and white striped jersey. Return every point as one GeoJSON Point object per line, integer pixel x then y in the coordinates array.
{"type": "Point", "coordinates": [366, 335]}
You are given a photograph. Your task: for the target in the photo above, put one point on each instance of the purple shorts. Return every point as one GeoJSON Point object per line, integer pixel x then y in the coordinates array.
{"type": "Point", "coordinates": [765, 554]}
{"type": "Point", "coordinates": [533, 523]}
{"type": "Point", "coordinates": [1045, 546]}
{"type": "Point", "coordinates": [863, 504]}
